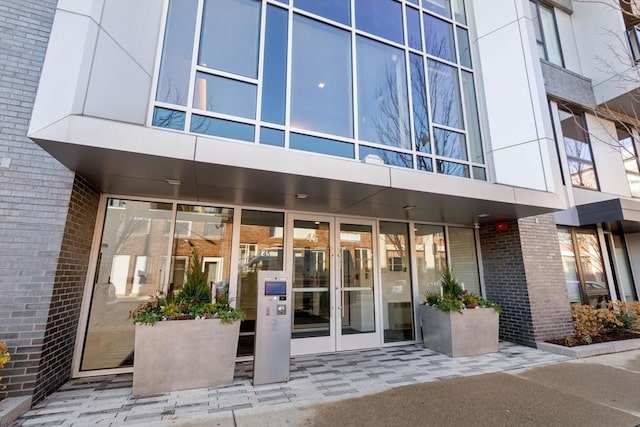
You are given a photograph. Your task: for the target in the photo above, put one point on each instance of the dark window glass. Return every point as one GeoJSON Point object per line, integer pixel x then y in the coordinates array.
{"type": "Point", "coordinates": [438, 38]}
{"type": "Point", "coordinates": [446, 107]}
{"type": "Point", "coordinates": [420, 106]}
{"type": "Point", "coordinates": [337, 10]}
{"type": "Point", "coordinates": [440, 7]}
{"type": "Point", "coordinates": [425, 164]}
{"type": "Point", "coordinates": [389, 157]}
{"type": "Point", "coordinates": [175, 68]}
{"type": "Point", "coordinates": [451, 168]}
{"type": "Point", "coordinates": [380, 17]}
{"type": "Point", "coordinates": [273, 137]}
{"type": "Point", "coordinates": [464, 51]}
{"type": "Point", "coordinates": [321, 145]}
{"type": "Point", "coordinates": [222, 128]}
{"type": "Point", "coordinates": [382, 94]}
{"type": "Point", "coordinates": [275, 66]}
{"type": "Point", "coordinates": [226, 96]}
{"type": "Point", "coordinates": [321, 91]}
{"type": "Point", "coordinates": [413, 28]}
{"type": "Point", "coordinates": [450, 144]}
{"type": "Point", "coordinates": [165, 118]}
{"type": "Point", "coordinates": [230, 35]}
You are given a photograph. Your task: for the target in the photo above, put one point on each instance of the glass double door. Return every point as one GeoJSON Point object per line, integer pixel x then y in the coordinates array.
{"type": "Point", "coordinates": [333, 285]}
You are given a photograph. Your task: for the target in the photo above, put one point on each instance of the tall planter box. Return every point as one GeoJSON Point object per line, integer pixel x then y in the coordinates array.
{"type": "Point", "coordinates": [472, 332]}
{"type": "Point", "coordinates": [184, 354]}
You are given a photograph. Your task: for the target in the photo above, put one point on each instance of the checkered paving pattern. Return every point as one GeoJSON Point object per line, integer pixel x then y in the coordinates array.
{"type": "Point", "coordinates": [107, 400]}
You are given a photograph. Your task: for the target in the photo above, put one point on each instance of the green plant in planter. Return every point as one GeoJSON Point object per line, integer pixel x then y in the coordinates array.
{"type": "Point", "coordinates": [193, 301]}
{"type": "Point", "coordinates": [455, 298]}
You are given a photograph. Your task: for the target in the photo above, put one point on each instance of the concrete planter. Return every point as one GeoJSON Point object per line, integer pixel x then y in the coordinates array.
{"type": "Point", "coordinates": [472, 332]}
{"type": "Point", "coordinates": [184, 354]}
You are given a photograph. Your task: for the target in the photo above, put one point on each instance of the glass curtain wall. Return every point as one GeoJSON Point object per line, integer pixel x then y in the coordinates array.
{"type": "Point", "coordinates": [431, 257]}
{"type": "Point", "coordinates": [346, 78]}
{"type": "Point", "coordinates": [131, 266]}
{"type": "Point", "coordinates": [136, 239]}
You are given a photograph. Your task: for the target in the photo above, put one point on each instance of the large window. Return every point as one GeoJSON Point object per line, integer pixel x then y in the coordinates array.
{"type": "Point", "coordinates": [583, 267]}
{"type": "Point", "coordinates": [544, 23]}
{"type": "Point", "coordinates": [346, 78]}
{"type": "Point", "coordinates": [629, 158]}
{"type": "Point", "coordinates": [578, 150]}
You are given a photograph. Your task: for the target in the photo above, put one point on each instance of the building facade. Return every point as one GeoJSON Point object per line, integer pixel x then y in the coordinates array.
{"type": "Point", "coordinates": [360, 146]}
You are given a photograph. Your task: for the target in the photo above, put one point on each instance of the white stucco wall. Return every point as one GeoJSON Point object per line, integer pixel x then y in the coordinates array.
{"type": "Point", "coordinates": [521, 144]}
{"type": "Point", "coordinates": [91, 39]}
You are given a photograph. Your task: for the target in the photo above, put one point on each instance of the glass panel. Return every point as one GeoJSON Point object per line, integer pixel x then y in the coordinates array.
{"type": "Point", "coordinates": [536, 24]}
{"type": "Point", "coordinates": [634, 183]}
{"type": "Point", "coordinates": [208, 231]}
{"type": "Point", "coordinates": [464, 260]}
{"type": "Point", "coordinates": [226, 96]}
{"type": "Point", "coordinates": [425, 164]}
{"type": "Point", "coordinates": [392, 158]}
{"type": "Point", "coordinates": [451, 168]}
{"type": "Point", "coordinates": [431, 257]}
{"type": "Point", "coordinates": [570, 268]}
{"type": "Point", "coordinates": [473, 122]}
{"type": "Point", "coordinates": [397, 303]}
{"type": "Point", "coordinates": [321, 145]}
{"type": "Point", "coordinates": [441, 7]}
{"type": "Point", "coordinates": [175, 68]}
{"type": "Point", "coordinates": [321, 91]}
{"type": "Point", "coordinates": [413, 28]}
{"type": "Point", "coordinates": [311, 279]}
{"type": "Point", "coordinates": [450, 144]}
{"type": "Point", "coordinates": [383, 114]}
{"type": "Point", "coordinates": [382, 18]}
{"type": "Point", "coordinates": [479, 173]}
{"type": "Point", "coordinates": [230, 36]}
{"type": "Point", "coordinates": [274, 74]}
{"type": "Point", "coordinates": [337, 10]}
{"type": "Point", "coordinates": [170, 119]}
{"type": "Point", "coordinates": [464, 50]}
{"type": "Point", "coordinates": [356, 245]}
{"type": "Point", "coordinates": [223, 128]}
{"type": "Point", "coordinates": [576, 145]}
{"type": "Point", "coordinates": [260, 250]}
{"type": "Point", "coordinates": [552, 43]}
{"type": "Point", "coordinates": [438, 38]}
{"type": "Point", "coordinates": [446, 107]}
{"type": "Point", "coordinates": [131, 266]}
{"type": "Point", "coordinates": [420, 105]}
{"type": "Point", "coordinates": [595, 280]}
{"type": "Point", "coordinates": [627, 149]}
{"type": "Point", "coordinates": [624, 270]}
{"type": "Point", "coordinates": [582, 174]}
{"type": "Point", "coordinates": [273, 137]}
{"type": "Point", "coordinates": [458, 11]}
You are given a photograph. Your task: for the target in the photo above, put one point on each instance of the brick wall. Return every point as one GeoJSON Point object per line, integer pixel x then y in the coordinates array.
{"type": "Point", "coordinates": [64, 309]}
{"type": "Point", "coordinates": [34, 195]}
{"type": "Point", "coordinates": [523, 273]}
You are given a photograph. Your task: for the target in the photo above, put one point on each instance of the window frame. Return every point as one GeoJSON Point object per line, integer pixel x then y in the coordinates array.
{"type": "Point", "coordinates": [537, 22]}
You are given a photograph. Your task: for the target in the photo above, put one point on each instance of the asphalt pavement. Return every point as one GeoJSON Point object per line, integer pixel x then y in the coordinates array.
{"type": "Point", "coordinates": [596, 391]}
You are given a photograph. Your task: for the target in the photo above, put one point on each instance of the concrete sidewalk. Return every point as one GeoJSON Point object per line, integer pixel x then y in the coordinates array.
{"type": "Point", "coordinates": [598, 391]}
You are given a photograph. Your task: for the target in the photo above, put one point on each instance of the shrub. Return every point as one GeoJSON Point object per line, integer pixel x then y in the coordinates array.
{"type": "Point", "coordinates": [4, 358]}
{"type": "Point", "coordinates": [455, 298]}
{"type": "Point", "coordinates": [619, 316]}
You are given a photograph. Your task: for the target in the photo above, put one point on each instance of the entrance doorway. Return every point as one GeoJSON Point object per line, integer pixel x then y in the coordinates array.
{"type": "Point", "coordinates": [333, 284]}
